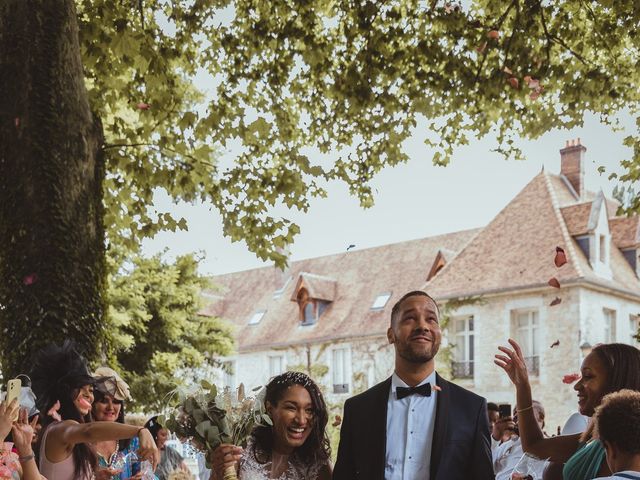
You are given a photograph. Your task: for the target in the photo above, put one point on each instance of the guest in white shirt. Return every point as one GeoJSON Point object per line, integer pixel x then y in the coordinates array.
{"type": "Point", "coordinates": [507, 453]}
{"type": "Point", "coordinates": [617, 423]}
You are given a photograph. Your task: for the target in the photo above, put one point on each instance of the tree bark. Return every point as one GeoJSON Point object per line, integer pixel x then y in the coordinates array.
{"type": "Point", "coordinates": [52, 268]}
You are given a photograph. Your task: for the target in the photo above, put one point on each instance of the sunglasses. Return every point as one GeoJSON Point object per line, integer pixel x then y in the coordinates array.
{"type": "Point", "coordinates": [106, 400]}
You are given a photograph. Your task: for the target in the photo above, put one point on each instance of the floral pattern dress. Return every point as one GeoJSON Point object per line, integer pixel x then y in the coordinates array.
{"type": "Point", "coordinates": [9, 464]}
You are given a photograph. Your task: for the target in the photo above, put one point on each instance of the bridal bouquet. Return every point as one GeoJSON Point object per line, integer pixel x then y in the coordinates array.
{"type": "Point", "coordinates": [209, 418]}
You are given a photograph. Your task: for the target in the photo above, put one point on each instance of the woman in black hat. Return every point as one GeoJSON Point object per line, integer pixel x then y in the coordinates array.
{"type": "Point", "coordinates": [64, 390]}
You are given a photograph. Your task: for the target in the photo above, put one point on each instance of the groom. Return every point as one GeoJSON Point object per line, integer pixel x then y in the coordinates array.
{"type": "Point", "coordinates": [415, 425]}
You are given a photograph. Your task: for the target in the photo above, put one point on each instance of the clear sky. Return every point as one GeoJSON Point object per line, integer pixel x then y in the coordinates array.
{"type": "Point", "coordinates": [413, 200]}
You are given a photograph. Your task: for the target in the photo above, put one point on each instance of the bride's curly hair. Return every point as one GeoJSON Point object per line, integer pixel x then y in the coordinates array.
{"type": "Point", "coordinates": [316, 447]}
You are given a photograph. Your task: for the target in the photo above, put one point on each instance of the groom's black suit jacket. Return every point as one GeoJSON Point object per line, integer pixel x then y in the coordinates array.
{"type": "Point", "coordinates": [460, 450]}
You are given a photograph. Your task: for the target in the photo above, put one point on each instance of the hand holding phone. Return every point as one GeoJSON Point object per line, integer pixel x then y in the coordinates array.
{"type": "Point", "coordinates": [13, 393]}
{"type": "Point", "coordinates": [504, 410]}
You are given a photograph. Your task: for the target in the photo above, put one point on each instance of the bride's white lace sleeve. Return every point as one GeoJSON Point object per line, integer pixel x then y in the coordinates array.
{"type": "Point", "coordinates": [251, 469]}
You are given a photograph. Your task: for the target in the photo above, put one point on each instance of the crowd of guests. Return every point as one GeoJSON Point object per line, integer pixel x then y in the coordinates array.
{"type": "Point", "coordinates": [414, 425]}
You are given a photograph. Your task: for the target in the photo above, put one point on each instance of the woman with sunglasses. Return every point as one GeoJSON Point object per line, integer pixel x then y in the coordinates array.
{"type": "Point", "coordinates": [114, 459]}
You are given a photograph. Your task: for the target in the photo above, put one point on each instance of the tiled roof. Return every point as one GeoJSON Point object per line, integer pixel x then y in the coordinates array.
{"type": "Point", "coordinates": [514, 251]}
{"type": "Point", "coordinates": [625, 231]}
{"type": "Point", "coordinates": [360, 275]}
{"type": "Point", "coordinates": [517, 248]}
{"type": "Point", "coordinates": [318, 286]}
{"type": "Point", "coordinates": [576, 218]}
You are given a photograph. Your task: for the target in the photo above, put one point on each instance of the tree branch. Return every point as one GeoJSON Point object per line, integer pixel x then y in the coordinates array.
{"type": "Point", "coordinates": [161, 150]}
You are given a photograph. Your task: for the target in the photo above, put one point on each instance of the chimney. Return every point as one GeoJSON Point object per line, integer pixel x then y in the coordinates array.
{"type": "Point", "coordinates": [572, 165]}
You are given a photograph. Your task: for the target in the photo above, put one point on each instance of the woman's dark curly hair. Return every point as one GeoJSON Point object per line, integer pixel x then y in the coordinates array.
{"type": "Point", "coordinates": [99, 396]}
{"type": "Point", "coordinates": [316, 448]}
{"type": "Point", "coordinates": [58, 374]}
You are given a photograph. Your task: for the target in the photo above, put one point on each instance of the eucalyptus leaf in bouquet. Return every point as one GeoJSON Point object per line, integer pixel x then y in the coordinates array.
{"type": "Point", "coordinates": [208, 417]}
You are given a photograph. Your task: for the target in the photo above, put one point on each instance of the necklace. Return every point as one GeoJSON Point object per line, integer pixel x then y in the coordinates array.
{"type": "Point", "coordinates": [113, 456]}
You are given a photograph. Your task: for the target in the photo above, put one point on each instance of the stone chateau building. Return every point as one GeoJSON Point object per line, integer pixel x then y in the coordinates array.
{"type": "Point", "coordinates": [331, 313]}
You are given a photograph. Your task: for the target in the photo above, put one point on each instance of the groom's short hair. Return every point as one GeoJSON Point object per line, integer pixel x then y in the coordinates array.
{"type": "Point", "coordinates": [396, 307]}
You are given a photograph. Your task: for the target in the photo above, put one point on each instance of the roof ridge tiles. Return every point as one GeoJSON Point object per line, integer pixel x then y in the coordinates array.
{"type": "Point", "coordinates": [476, 230]}
{"type": "Point", "coordinates": [568, 240]}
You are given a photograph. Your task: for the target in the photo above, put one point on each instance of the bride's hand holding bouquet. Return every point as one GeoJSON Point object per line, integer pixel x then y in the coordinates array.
{"type": "Point", "coordinates": [217, 423]}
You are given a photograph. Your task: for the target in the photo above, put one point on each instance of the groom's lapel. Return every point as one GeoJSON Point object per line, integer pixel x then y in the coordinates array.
{"type": "Point", "coordinates": [440, 430]}
{"type": "Point", "coordinates": [378, 440]}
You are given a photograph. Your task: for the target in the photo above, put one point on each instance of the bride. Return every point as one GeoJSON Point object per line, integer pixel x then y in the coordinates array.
{"type": "Point", "coordinates": [295, 447]}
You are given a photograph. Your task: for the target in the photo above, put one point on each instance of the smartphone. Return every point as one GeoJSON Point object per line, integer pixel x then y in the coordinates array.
{"type": "Point", "coordinates": [504, 410]}
{"type": "Point", "coordinates": [13, 392]}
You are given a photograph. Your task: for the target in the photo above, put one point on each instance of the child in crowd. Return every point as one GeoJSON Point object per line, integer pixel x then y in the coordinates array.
{"type": "Point", "coordinates": [617, 423]}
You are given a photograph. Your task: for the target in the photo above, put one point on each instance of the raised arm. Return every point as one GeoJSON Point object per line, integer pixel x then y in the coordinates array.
{"type": "Point", "coordinates": [22, 432]}
{"type": "Point", "coordinates": [66, 434]}
{"type": "Point", "coordinates": [559, 448]}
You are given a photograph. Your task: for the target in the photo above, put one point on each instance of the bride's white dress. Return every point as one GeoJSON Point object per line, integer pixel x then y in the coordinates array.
{"type": "Point", "coordinates": [251, 469]}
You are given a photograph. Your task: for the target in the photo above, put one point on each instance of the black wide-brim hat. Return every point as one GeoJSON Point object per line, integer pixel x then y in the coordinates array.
{"type": "Point", "coordinates": [57, 371]}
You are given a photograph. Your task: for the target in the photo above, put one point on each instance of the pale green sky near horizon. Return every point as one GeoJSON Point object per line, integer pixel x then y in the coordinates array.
{"type": "Point", "coordinates": [413, 200]}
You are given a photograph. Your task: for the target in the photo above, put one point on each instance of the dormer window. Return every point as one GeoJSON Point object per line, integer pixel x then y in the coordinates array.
{"type": "Point", "coordinates": [313, 294]}
{"type": "Point", "coordinates": [439, 262]}
{"type": "Point", "coordinates": [310, 309]}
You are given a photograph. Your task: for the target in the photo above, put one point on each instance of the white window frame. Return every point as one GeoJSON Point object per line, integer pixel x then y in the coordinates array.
{"type": "Point", "coordinates": [465, 337]}
{"type": "Point", "coordinates": [340, 369]}
{"type": "Point", "coordinates": [634, 323]}
{"type": "Point", "coordinates": [529, 337]}
{"type": "Point", "coordinates": [283, 364]}
{"type": "Point", "coordinates": [610, 320]}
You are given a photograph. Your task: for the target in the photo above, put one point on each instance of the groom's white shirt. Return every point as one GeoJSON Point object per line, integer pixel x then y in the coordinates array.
{"type": "Point", "coordinates": [410, 424]}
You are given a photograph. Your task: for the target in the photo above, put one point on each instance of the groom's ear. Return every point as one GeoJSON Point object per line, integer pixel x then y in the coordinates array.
{"type": "Point", "coordinates": [390, 336]}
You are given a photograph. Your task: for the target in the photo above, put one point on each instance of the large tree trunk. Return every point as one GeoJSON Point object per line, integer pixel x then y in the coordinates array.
{"type": "Point", "coordinates": [51, 171]}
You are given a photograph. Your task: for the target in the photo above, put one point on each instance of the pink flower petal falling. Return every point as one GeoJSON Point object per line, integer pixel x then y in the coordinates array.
{"type": "Point", "coordinates": [561, 257]}
{"type": "Point", "coordinates": [571, 378]}
{"type": "Point", "coordinates": [30, 279]}
{"type": "Point", "coordinates": [16, 122]}
{"type": "Point", "coordinates": [436, 388]}
{"type": "Point", "coordinates": [337, 421]}
{"type": "Point", "coordinates": [553, 281]}
{"type": "Point", "coordinates": [555, 344]}
{"type": "Point", "coordinates": [493, 34]}
{"type": "Point", "coordinates": [555, 301]}
{"type": "Point", "coordinates": [143, 106]}
{"type": "Point", "coordinates": [513, 81]}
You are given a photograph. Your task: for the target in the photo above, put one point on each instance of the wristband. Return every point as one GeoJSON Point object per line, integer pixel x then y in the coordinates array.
{"type": "Point", "coordinates": [26, 458]}
{"type": "Point", "coordinates": [520, 410]}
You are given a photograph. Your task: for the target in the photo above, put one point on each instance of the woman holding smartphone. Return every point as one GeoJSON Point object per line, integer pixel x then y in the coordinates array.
{"type": "Point", "coordinates": [64, 391]}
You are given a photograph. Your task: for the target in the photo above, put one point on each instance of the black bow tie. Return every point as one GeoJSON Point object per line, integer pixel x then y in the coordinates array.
{"type": "Point", "coordinates": [424, 390]}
